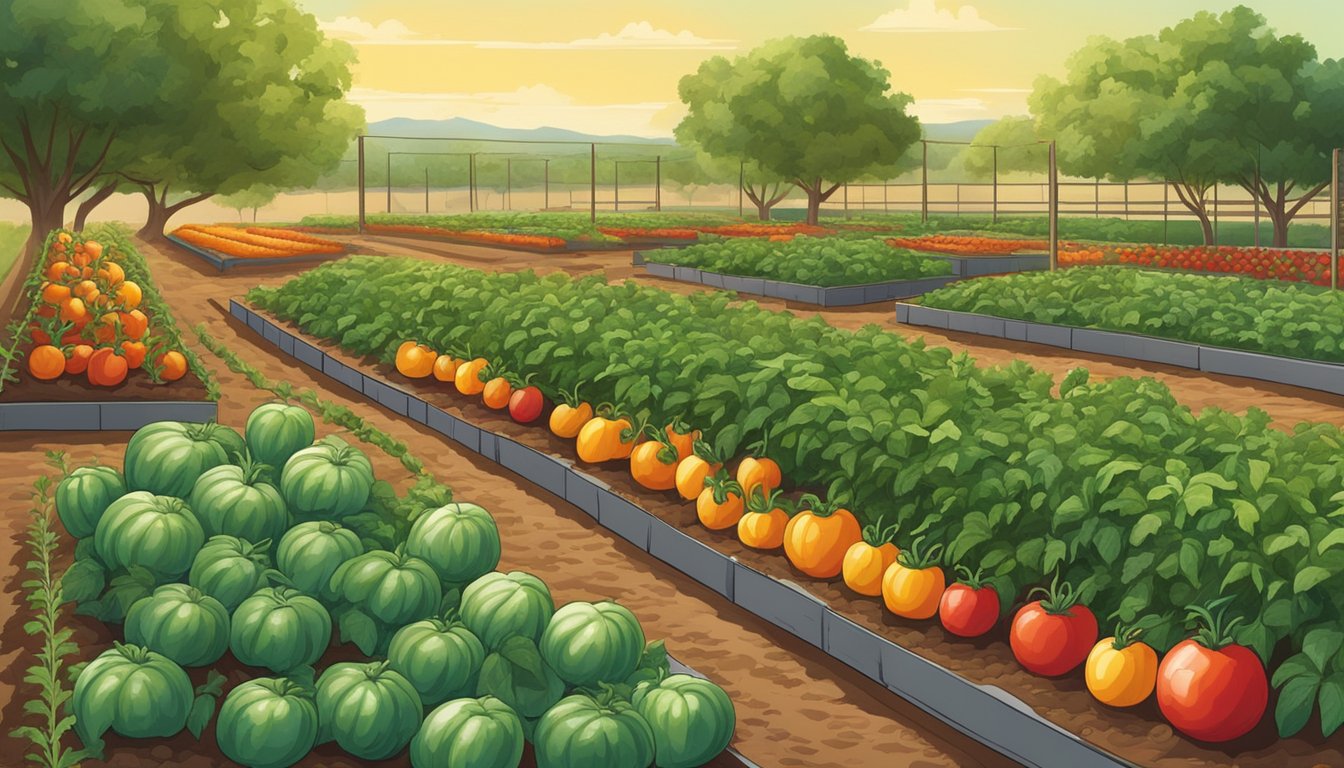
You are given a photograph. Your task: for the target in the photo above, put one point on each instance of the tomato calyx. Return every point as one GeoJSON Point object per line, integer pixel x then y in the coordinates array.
{"type": "Point", "coordinates": [721, 484]}
{"type": "Point", "coordinates": [1125, 636]}
{"type": "Point", "coordinates": [812, 503]}
{"type": "Point", "coordinates": [973, 579]}
{"type": "Point", "coordinates": [875, 535]}
{"type": "Point", "coordinates": [1213, 628]}
{"type": "Point", "coordinates": [917, 558]}
{"type": "Point", "coordinates": [569, 397]}
{"type": "Point", "coordinates": [760, 502]}
{"type": "Point", "coordinates": [667, 454]}
{"type": "Point", "coordinates": [1058, 599]}
{"type": "Point", "coordinates": [706, 451]}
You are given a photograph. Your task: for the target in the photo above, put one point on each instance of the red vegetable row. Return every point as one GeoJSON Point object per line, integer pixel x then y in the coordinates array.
{"type": "Point", "coordinates": [1259, 263]}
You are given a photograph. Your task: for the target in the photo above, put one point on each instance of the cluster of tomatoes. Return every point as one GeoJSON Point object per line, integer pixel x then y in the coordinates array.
{"type": "Point", "coordinates": [88, 321]}
{"type": "Point", "coordinates": [775, 232]}
{"type": "Point", "coordinates": [1259, 263]}
{"type": "Point", "coordinates": [475, 235]}
{"type": "Point", "coordinates": [1207, 686]}
{"type": "Point", "coordinates": [967, 244]}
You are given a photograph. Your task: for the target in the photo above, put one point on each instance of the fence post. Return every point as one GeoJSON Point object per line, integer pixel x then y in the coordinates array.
{"type": "Point", "coordinates": [658, 183]}
{"type": "Point", "coordinates": [389, 182]}
{"type": "Point", "coordinates": [361, 183]}
{"type": "Point", "coordinates": [924, 184]}
{"type": "Point", "coordinates": [1255, 198]}
{"type": "Point", "coordinates": [508, 182]}
{"type": "Point", "coordinates": [426, 189]}
{"type": "Point", "coordinates": [1096, 199]}
{"type": "Point", "coordinates": [546, 184]}
{"type": "Point", "coordinates": [885, 183]}
{"type": "Point", "coordinates": [995, 184]}
{"type": "Point", "coordinates": [1336, 215]}
{"type": "Point", "coordinates": [1126, 199]}
{"type": "Point", "coordinates": [616, 186]}
{"type": "Point", "coordinates": [1166, 211]}
{"type": "Point", "coordinates": [1054, 210]}
{"type": "Point", "coordinates": [846, 201]}
{"type": "Point", "coordinates": [592, 184]}
{"type": "Point", "coordinates": [1215, 214]}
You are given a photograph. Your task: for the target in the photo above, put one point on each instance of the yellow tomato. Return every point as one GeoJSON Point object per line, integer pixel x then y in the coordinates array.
{"type": "Point", "coordinates": [865, 565]}
{"type": "Point", "coordinates": [1121, 676]}
{"type": "Point", "coordinates": [468, 376]}
{"type": "Point", "coordinates": [913, 593]}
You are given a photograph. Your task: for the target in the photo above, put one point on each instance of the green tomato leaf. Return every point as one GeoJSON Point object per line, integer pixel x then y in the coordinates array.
{"type": "Point", "coordinates": [358, 627]}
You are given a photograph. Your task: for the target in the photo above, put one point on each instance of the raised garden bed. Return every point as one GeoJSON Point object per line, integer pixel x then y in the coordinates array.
{"type": "Point", "coordinates": [1310, 374]}
{"type": "Point", "coordinates": [97, 349]}
{"type": "Point", "coordinates": [985, 713]}
{"type": "Point", "coordinates": [826, 296]}
{"type": "Point", "coordinates": [225, 263]}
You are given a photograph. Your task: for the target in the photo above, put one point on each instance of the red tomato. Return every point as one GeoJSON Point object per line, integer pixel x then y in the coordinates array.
{"type": "Point", "coordinates": [1052, 636]}
{"type": "Point", "coordinates": [525, 404]}
{"type": "Point", "coordinates": [969, 611]}
{"type": "Point", "coordinates": [1210, 688]}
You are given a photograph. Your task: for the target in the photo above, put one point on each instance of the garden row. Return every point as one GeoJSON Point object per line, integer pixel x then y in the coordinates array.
{"type": "Point", "coordinates": [808, 261]}
{"type": "Point", "coordinates": [256, 242]}
{"type": "Point", "coordinates": [1259, 263]}
{"type": "Point", "coordinates": [96, 322]}
{"type": "Point", "coordinates": [1111, 494]}
{"type": "Point", "coordinates": [1290, 320]}
{"type": "Point", "coordinates": [209, 543]}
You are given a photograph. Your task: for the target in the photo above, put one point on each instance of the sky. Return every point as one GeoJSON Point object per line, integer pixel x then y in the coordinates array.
{"type": "Point", "coordinates": [611, 67]}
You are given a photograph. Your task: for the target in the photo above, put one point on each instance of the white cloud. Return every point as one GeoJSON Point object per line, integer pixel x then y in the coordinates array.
{"type": "Point", "coordinates": [637, 35]}
{"type": "Point", "coordinates": [527, 107]}
{"type": "Point", "coordinates": [950, 110]}
{"type": "Point", "coordinates": [925, 16]}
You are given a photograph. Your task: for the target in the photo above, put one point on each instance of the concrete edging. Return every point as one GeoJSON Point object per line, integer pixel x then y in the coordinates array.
{"type": "Point", "coordinates": [985, 713]}
{"type": "Point", "coordinates": [1297, 372]}
{"type": "Point", "coordinates": [114, 416]}
{"type": "Point", "coordinates": [826, 296]}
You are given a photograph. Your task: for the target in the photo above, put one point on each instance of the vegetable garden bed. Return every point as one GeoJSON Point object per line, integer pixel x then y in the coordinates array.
{"type": "Point", "coordinates": [992, 717]}
{"type": "Point", "coordinates": [1142, 520]}
{"type": "Point", "coordinates": [826, 296]}
{"type": "Point", "coordinates": [97, 348]}
{"type": "Point", "coordinates": [1278, 319]}
{"type": "Point", "coordinates": [224, 262]}
{"type": "Point", "coordinates": [1306, 266]}
{"type": "Point", "coordinates": [1309, 374]}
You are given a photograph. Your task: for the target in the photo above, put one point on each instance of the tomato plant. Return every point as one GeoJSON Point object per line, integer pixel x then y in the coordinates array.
{"type": "Point", "coordinates": [1053, 635]}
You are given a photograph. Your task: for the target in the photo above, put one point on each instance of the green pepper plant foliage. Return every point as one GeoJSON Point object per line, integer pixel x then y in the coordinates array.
{"type": "Point", "coordinates": [825, 261]}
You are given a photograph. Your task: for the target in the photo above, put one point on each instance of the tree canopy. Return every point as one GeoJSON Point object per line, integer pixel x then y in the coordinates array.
{"type": "Point", "coordinates": [1019, 149]}
{"type": "Point", "coordinates": [802, 110]}
{"type": "Point", "coordinates": [1205, 101]}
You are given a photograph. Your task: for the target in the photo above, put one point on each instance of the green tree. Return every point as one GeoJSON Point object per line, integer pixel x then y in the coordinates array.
{"type": "Point", "coordinates": [1196, 104]}
{"type": "Point", "coordinates": [801, 109]}
{"type": "Point", "coordinates": [252, 198]}
{"type": "Point", "coordinates": [1019, 149]}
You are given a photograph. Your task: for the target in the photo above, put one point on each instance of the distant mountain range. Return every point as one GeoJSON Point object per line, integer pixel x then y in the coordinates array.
{"type": "Point", "coordinates": [462, 128]}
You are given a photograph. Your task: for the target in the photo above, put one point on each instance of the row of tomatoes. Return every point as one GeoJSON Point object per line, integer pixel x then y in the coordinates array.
{"type": "Point", "coordinates": [498, 238]}
{"type": "Point", "coordinates": [1259, 263]}
{"type": "Point", "coordinates": [967, 244]}
{"type": "Point", "coordinates": [88, 321]}
{"type": "Point", "coordinates": [1207, 686]}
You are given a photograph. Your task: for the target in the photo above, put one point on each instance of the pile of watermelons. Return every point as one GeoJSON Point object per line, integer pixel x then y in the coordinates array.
{"type": "Point", "coordinates": [208, 543]}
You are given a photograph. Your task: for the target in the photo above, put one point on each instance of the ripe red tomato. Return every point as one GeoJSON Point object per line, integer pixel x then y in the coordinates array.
{"type": "Point", "coordinates": [969, 609]}
{"type": "Point", "coordinates": [1053, 635]}
{"type": "Point", "coordinates": [1210, 688]}
{"type": "Point", "coordinates": [525, 404]}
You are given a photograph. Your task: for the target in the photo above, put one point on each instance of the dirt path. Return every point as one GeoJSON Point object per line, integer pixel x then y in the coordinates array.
{"type": "Point", "coordinates": [795, 706]}
{"type": "Point", "coordinates": [1286, 405]}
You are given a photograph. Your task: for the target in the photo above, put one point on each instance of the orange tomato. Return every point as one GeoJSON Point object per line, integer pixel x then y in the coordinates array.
{"type": "Point", "coordinates": [172, 365]}
{"type": "Point", "coordinates": [78, 361]}
{"type": "Point", "coordinates": [106, 328]}
{"type": "Point", "coordinates": [497, 392]}
{"type": "Point", "coordinates": [684, 442]}
{"type": "Point", "coordinates": [58, 271]}
{"type": "Point", "coordinates": [129, 295]}
{"type": "Point", "coordinates": [445, 367]}
{"type": "Point", "coordinates": [467, 379]}
{"type": "Point", "coordinates": [719, 505]}
{"type": "Point", "coordinates": [762, 472]}
{"type": "Point", "coordinates": [93, 248]}
{"type": "Point", "coordinates": [567, 420]}
{"type": "Point", "coordinates": [111, 274]}
{"type": "Point", "coordinates": [691, 474]}
{"type": "Point", "coordinates": [414, 360]}
{"type": "Point", "coordinates": [867, 561]}
{"type": "Point", "coordinates": [74, 311]}
{"type": "Point", "coordinates": [817, 539]}
{"type": "Point", "coordinates": [763, 524]}
{"type": "Point", "coordinates": [46, 362]}
{"type": "Point", "coordinates": [85, 289]}
{"type": "Point", "coordinates": [648, 468]}
{"type": "Point", "coordinates": [135, 352]}
{"type": "Point", "coordinates": [107, 368]}
{"type": "Point", "coordinates": [600, 440]}
{"type": "Point", "coordinates": [55, 293]}
{"type": "Point", "coordinates": [134, 323]}
{"type": "Point", "coordinates": [1121, 671]}
{"type": "Point", "coordinates": [913, 586]}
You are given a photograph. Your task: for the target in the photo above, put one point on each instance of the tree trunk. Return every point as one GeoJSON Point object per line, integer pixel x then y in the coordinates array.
{"type": "Point", "coordinates": [159, 213]}
{"type": "Point", "coordinates": [12, 299]}
{"type": "Point", "coordinates": [814, 200]}
{"type": "Point", "coordinates": [96, 199]}
{"type": "Point", "coordinates": [1205, 224]}
{"type": "Point", "coordinates": [762, 211]}
{"type": "Point", "coordinates": [1193, 197]}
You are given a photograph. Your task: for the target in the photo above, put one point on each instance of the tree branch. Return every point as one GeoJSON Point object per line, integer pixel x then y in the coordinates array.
{"type": "Point", "coordinates": [179, 205]}
{"type": "Point", "coordinates": [1306, 198]}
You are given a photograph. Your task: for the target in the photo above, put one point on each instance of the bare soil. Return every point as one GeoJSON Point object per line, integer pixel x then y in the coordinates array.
{"type": "Point", "coordinates": [795, 706]}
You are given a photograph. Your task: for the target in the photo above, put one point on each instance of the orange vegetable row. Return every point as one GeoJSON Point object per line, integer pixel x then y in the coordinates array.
{"type": "Point", "coordinates": [959, 244]}
{"type": "Point", "coordinates": [255, 242]}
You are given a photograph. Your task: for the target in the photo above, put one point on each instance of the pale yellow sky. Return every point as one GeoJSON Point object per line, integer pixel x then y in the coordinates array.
{"type": "Point", "coordinates": [612, 67]}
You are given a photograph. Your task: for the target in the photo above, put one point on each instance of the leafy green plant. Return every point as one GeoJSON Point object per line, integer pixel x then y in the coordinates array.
{"type": "Point", "coordinates": [1289, 319]}
{"type": "Point", "coordinates": [1113, 486]}
{"type": "Point", "coordinates": [50, 675]}
{"type": "Point", "coordinates": [826, 261]}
